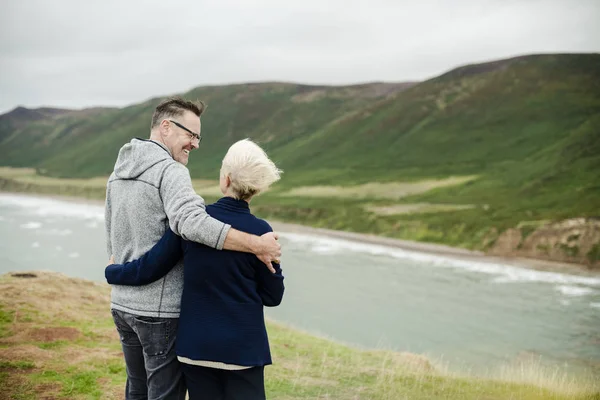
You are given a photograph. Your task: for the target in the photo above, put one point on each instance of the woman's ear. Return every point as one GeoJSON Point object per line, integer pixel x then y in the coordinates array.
{"type": "Point", "coordinates": [227, 181]}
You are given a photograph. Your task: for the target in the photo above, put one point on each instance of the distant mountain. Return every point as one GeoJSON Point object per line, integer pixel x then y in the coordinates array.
{"type": "Point", "coordinates": [84, 143]}
{"type": "Point", "coordinates": [528, 127]}
{"type": "Point", "coordinates": [12, 122]}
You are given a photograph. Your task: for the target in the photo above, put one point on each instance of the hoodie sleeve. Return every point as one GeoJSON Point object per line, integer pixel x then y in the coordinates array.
{"type": "Point", "coordinates": [186, 211]}
{"type": "Point", "coordinates": [107, 221]}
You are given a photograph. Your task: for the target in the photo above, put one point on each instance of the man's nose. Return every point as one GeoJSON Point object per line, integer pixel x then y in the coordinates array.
{"type": "Point", "coordinates": [195, 144]}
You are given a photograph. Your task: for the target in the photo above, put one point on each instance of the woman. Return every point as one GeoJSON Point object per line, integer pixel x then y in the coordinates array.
{"type": "Point", "coordinates": [221, 341]}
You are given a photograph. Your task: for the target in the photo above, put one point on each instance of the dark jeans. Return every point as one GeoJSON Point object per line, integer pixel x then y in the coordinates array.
{"type": "Point", "coordinates": [153, 371]}
{"type": "Point", "coordinates": [218, 384]}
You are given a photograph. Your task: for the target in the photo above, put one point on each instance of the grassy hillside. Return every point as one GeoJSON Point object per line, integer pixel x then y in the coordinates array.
{"type": "Point", "coordinates": [58, 341]}
{"type": "Point", "coordinates": [85, 143]}
{"type": "Point", "coordinates": [524, 133]}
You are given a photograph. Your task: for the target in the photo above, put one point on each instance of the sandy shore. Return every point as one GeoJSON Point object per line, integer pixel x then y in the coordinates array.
{"type": "Point", "coordinates": [429, 248]}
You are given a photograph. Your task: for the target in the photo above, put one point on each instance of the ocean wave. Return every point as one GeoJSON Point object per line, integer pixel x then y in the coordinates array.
{"type": "Point", "coordinates": [504, 273]}
{"type": "Point", "coordinates": [595, 305]}
{"type": "Point", "coordinates": [326, 245]}
{"type": "Point", "coordinates": [52, 207]}
{"type": "Point", "coordinates": [574, 291]}
{"type": "Point", "coordinates": [31, 225]}
{"type": "Point", "coordinates": [58, 232]}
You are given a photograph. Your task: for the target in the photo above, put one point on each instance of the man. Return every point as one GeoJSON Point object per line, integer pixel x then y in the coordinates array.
{"type": "Point", "coordinates": [150, 189]}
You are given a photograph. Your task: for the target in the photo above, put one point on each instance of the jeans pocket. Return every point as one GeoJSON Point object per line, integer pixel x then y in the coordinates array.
{"type": "Point", "coordinates": [117, 319]}
{"type": "Point", "coordinates": [126, 333]}
{"type": "Point", "coordinates": [154, 335]}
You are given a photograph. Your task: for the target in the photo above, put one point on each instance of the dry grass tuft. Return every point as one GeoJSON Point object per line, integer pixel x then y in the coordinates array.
{"type": "Point", "coordinates": [377, 190]}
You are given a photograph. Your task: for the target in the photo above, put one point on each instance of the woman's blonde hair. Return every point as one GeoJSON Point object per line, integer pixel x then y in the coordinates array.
{"type": "Point", "coordinates": [249, 169]}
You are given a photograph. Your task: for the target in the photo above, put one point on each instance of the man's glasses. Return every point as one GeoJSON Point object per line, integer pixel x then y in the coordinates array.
{"type": "Point", "coordinates": [193, 135]}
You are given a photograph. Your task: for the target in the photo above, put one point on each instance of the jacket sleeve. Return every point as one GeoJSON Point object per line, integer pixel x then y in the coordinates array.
{"type": "Point", "coordinates": [153, 265]}
{"type": "Point", "coordinates": [186, 211]}
{"type": "Point", "coordinates": [270, 285]}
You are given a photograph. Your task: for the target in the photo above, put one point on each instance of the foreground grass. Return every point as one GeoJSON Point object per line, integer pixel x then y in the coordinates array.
{"type": "Point", "coordinates": [57, 340]}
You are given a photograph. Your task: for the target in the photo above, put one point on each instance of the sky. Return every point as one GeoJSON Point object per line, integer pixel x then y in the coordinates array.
{"type": "Point", "coordinates": [76, 54]}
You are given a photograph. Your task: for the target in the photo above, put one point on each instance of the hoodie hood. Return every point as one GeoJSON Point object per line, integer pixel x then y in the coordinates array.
{"type": "Point", "coordinates": [137, 156]}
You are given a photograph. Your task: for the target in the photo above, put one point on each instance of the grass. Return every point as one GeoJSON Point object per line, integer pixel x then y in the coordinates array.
{"type": "Point", "coordinates": [89, 365]}
{"type": "Point", "coordinates": [6, 317]}
{"type": "Point", "coordinates": [19, 365]}
{"type": "Point", "coordinates": [377, 190]}
{"type": "Point", "coordinates": [418, 208]}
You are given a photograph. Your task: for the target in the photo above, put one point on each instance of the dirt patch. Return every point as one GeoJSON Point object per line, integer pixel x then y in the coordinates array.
{"type": "Point", "coordinates": [81, 355]}
{"type": "Point", "coordinates": [48, 391]}
{"type": "Point", "coordinates": [507, 242]}
{"type": "Point", "coordinates": [23, 275]}
{"type": "Point", "coordinates": [109, 391]}
{"type": "Point", "coordinates": [16, 383]}
{"type": "Point", "coordinates": [25, 352]}
{"type": "Point", "coordinates": [53, 334]}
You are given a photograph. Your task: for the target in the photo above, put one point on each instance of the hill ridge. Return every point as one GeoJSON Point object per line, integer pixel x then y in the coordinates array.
{"type": "Point", "coordinates": [525, 126]}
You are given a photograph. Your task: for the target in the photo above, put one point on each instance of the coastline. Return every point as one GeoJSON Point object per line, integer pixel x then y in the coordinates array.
{"type": "Point", "coordinates": [420, 247]}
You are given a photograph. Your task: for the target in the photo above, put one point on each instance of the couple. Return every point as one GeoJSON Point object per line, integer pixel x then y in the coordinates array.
{"type": "Point", "coordinates": [204, 333]}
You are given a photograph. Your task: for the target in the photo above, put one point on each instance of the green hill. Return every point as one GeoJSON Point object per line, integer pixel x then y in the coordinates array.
{"type": "Point", "coordinates": [526, 130]}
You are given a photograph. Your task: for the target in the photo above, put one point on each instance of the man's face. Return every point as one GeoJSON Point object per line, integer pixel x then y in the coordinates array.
{"type": "Point", "coordinates": [178, 140]}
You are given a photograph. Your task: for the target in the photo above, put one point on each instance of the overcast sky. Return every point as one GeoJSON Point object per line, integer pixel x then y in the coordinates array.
{"type": "Point", "coordinates": [76, 53]}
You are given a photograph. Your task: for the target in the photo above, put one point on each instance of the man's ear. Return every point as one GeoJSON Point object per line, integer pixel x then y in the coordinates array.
{"type": "Point", "coordinates": [227, 181]}
{"type": "Point", "coordinates": [164, 127]}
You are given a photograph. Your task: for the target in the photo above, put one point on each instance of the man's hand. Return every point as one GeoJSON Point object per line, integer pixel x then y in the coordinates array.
{"type": "Point", "coordinates": [269, 250]}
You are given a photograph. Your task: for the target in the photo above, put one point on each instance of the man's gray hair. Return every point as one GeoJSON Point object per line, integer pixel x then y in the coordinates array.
{"type": "Point", "coordinates": [175, 107]}
{"type": "Point", "coordinates": [249, 169]}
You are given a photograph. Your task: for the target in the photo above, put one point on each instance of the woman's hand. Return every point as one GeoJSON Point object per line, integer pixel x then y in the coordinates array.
{"type": "Point", "coordinates": [112, 260]}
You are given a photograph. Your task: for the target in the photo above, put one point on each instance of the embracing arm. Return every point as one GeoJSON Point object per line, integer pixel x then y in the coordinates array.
{"type": "Point", "coordinates": [186, 210]}
{"type": "Point", "coordinates": [150, 267]}
{"type": "Point", "coordinates": [270, 285]}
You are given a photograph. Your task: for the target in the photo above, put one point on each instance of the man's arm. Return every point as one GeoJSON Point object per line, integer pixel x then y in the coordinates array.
{"type": "Point", "coordinates": [186, 211]}
{"type": "Point", "coordinates": [107, 221]}
{"type": "Point", "coordinates": [187, 216]}
{"type": "Point", "coordinates": [265, 247]}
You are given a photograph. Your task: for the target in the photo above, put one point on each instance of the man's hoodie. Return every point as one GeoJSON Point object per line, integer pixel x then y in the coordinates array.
{"type": "Point", "coordinates": [147, 192]}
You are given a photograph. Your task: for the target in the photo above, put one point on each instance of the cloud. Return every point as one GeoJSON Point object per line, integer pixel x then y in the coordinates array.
{"type": "Point", "coordinates": [73, 54]}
